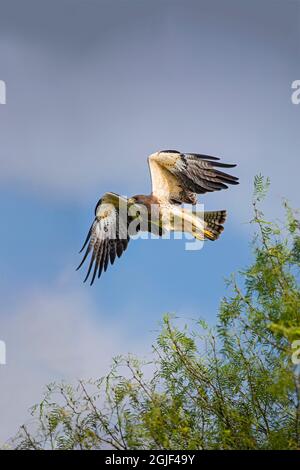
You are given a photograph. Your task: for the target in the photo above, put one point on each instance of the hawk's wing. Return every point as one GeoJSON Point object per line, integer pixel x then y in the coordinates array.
{"type": "Point", "coordinates": [179, 177]}
{"type": "Point", "coordinates": [108, 236]}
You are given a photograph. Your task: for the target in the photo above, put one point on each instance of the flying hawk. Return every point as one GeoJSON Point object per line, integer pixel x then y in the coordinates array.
{"type": "Point", "coordinates": [176, 178]}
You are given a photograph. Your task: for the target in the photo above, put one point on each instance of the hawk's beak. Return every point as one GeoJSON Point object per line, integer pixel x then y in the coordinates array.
{"type": "Point", "coordinates": [131, 200]}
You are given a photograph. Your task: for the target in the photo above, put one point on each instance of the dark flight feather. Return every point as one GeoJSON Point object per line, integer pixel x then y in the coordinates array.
{"type": "Point", "coordinates": [107, 237]}
{"type": "Point", "coordinates": [198, 175]}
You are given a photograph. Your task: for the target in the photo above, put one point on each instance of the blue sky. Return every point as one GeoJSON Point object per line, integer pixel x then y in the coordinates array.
{"type": "Point", "coordinates": [93, 87]}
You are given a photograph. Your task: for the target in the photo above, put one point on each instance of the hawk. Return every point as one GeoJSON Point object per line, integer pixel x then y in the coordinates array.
{"type": "Point", "coordinates": [176, 179]}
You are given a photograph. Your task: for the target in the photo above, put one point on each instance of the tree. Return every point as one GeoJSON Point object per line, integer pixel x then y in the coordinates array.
{"type": "Point", "coordinates": [235, 386]}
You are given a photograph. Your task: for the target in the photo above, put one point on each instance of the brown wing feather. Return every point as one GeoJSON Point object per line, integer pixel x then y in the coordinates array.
{"type": "Point", "coordinates": [179, 177]}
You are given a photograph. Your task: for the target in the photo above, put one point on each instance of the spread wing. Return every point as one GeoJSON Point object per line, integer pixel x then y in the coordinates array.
{"type": "Point", "coordinates": [179, 177]}
{"type": "Point", "coordinates": [108, 236]}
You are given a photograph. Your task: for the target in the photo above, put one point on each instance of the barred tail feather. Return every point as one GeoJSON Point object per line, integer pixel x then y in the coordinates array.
{"type": "Point", "coordinates": [213, 224]}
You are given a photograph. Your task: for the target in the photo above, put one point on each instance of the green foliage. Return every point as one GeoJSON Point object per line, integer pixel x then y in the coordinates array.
{"type": "Point", "coordinates": [232, 387]}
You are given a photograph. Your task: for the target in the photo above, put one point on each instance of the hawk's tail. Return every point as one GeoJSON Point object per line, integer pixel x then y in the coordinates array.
{"type": "Point", "coordinates": [213, 224]}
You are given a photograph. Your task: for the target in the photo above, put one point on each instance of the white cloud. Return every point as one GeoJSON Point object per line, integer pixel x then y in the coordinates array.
{"type": "Point", "coordinates": [51, 336]}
